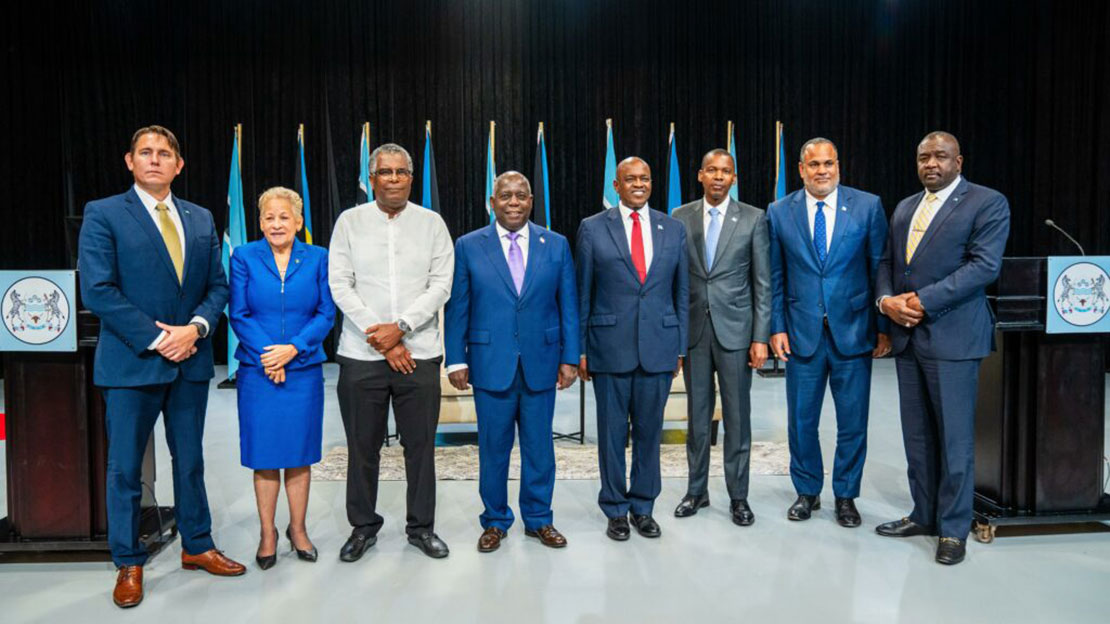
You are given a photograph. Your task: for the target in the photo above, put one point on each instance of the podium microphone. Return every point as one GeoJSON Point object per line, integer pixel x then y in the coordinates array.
{"type": "Point", "coordinates": [1052, 224]}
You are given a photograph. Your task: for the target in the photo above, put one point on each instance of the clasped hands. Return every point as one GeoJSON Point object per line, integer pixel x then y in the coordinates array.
{"type": "Point", "coordinates": [275, 358]}
{"type": "Point", "coordinates": [386, 339]}
{"type": "Point", "coordinates": [179, 343]}
{"type": "Point", "coordinates": [904, 309]}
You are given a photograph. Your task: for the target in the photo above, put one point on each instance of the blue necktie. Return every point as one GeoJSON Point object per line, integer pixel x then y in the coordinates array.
{"type": "Point", "coordinates": [711, 236]}
{"type": "Point", "coordinates": [819, 234]}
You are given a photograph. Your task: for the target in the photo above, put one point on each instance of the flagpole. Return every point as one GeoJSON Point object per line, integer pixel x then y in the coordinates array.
{"type": "Point", "coordinates": [775, 371]}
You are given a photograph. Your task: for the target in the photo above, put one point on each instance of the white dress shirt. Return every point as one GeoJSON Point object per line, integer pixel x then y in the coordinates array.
{"type": "Point", "coordinates": [830, 214]}
{"type": "Point", "coordinates": [384, 270]}
{"type": "Point", "coordinates": [706, 218]}
{"type": "Point", "coordinates": [503, 236]}
{"type": "Point", "coordinates": [150, 203]}
{"type": "Point", "coordinates": [645, 230]}
{"type": "Point", "coordinates": [942, 196]}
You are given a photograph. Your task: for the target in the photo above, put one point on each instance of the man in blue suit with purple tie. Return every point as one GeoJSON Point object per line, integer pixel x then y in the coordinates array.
{"type": "Point", "coordinates": [826, 242]}
{"type": "Point", "coordinates": [634, 293]}
{"type": "Point", "coordinates": [512, 332]}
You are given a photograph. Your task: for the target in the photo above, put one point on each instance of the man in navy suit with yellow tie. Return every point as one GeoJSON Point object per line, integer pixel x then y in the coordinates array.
{"type": "Point", "coordinates": [512, 332]}
{"type": "Point", "coordinates": [826, 242]}
{"type": "Point", "coordinates": [945, 248]}
{"type": "Point", "coordinates": [150, 271]}
{"type": "Point", "coordinates": [633, 288]}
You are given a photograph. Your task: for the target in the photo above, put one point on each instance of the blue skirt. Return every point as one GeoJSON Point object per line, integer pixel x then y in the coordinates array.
{"type": "Point", "coordinates": [280, 425]}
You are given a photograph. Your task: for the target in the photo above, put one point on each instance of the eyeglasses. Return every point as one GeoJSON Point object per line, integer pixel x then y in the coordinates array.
{"type": "Point", "coordinates": [389, 173]}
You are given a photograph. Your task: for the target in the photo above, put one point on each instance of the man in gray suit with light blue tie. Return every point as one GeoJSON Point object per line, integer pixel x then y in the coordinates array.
{"type": "Point", "coordinates": [945, 248]}
{"type": "Point", "coordinates": [730, 324]}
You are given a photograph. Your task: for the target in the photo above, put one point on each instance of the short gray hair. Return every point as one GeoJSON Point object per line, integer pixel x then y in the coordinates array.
{"type": "Point", "coordinates": [280, 192]}
{"type": "Point", "coordinates": [388, 148]}
{"type": "Point", "coordinates": [815, 141]}
{"type": "Point", "coordinates": [511, 174]}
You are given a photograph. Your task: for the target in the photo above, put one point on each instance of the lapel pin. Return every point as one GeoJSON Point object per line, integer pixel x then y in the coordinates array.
{"type": "Point", "coordinates": [297, 261]}
{"type": "Point", "coordinates": [542, 240]}
{"type": "Point", "coordinates": [955, 199]}
{"type": "Point", "coordinates": [734, 219]}
{"type": "Point", "coordinates": [843, 209]}
{"type": "Point", "coordinates": [659, 226]}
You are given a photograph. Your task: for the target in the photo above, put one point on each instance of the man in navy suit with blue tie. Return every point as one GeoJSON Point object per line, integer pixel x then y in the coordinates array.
{"type": "Point", "coordinates": [512, 332]}
{"type": "Point", "coordinates": [633, 288]}
{"type": "Point", "coordinates": [826, 242]}
{"type": "Point", "coordinates": [945, 248]}
{"type": "Point", "coordinates": [150, 270]}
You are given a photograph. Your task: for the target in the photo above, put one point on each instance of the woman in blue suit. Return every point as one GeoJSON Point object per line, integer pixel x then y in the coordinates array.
{"type": "Point", "coordinates": [281, 310]}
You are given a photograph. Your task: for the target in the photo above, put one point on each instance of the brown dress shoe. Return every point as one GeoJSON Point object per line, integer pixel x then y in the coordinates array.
{"type": "Point", "coordinates": [549, 536]}
{"type": "Point", "coordinates": [212, 562]}
{"type": "Point", "coordinates": [490, 540]}
{"type": "Point", "coordinates": [129, 587]}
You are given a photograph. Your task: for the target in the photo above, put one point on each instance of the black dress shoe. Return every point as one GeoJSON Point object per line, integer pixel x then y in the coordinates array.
{"type": "Point", "coordinates": [903, 528]}
{"type": "Point", "coordinates": [846, 513]}
{"type": "Point", "coordinates": [646, 526]}
{"type": "Point", "coordinates": [618, 529]}
{"type": "Point", "coordinates": [804, 507]}
{"type": "Point", "coordinates": [268, 561]}
{"type": "Point", "coordinates": [356, 545]}
{"type": "Point", "coordinates": [303, 555]}
{"type": "Point", "coordinates": [430, 544]}
{"type": "Point", "coordinates": [951, 550]}
{"type": "Point", "coordinates": [742, 514]}
{"type": "Point", "coordinates": [690, 505]}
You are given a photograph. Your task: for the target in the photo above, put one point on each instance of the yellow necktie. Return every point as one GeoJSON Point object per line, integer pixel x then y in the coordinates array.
{"type": "Point", "coordinates": [920, 224]}
{"type": "Point", "coordinates": [169, 236]}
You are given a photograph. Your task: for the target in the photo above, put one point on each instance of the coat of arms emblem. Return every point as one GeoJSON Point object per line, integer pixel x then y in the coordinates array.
{"type": "Point", "coordinates": [1082, 294]}
{"type": "Point", "coordinates": [35, 310]}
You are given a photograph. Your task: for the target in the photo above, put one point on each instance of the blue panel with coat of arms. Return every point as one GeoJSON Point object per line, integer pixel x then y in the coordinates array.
{"type": "Point", "coordinates": [1078, 295]}
{"type": "Point", "coordinates": [38, 311]}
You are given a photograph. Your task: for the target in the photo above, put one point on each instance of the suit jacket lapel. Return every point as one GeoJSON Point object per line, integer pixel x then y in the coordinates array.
{"type": "Point", "coordinates": [657, 234]}
{"type": "Point", "coordinates": [138, 211]}
{"type": "Point", "coordinates": [730, 221]}
{"type": "Point", "coordinates": [614, 221]}
{"type": "Point", "coordinates": [695, 223]}
{"type": "Point", "coordinates": [943, 213]}
{"type": "Point", "coordinates": [537, 254]}
{"type": "Point", "coordinates": [801, 220]}
{"type": "Point", "coordinates": [844, 213]}
{"type": "Point", "coordinates": [296, 258]}
{"type": "Point", "coordinates": [496, 255]}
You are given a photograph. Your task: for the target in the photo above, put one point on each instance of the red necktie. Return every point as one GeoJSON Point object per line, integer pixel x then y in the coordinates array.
{"type": "Point", "coordinates": [638, 247]}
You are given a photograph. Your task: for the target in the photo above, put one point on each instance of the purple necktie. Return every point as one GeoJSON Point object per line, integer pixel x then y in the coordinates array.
{"type": "Point", "coordinates": [516, 261]}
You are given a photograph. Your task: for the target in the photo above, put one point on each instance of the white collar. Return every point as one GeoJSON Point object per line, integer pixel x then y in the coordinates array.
{"type": "Point", "coordinates": [502, 232]}
{"type": "Point", "coordinates": [830, 199]}
{"type": "Point", "coordinates": [149, 201]}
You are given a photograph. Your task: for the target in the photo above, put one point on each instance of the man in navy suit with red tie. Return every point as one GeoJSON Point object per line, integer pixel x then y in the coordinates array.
{"type": "Point", "coordinates": [512, 332]}
{"type": "Point", "coordinates": [633, 288]}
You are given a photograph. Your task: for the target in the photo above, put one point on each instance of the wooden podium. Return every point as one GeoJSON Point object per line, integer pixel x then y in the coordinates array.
{"type": "Point", "coordinates": [57, 454]}
{"type": "Point", "coordinates": [1039, 430]}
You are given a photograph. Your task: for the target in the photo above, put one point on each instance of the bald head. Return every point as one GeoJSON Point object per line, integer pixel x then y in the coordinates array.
{"type": "Point", "coordinates": [633, 182]}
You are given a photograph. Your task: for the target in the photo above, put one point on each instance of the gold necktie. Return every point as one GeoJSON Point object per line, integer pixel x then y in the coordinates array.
{"type": "Point", "coordinates": [920, 224]}
{"type": "Point", "coordinates": [169, 236]}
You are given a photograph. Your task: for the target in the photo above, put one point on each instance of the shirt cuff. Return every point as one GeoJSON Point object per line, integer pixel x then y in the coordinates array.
{"type": "Point", "coordinates": [157, 341]}
{"type": "Point", "coordinates": [879, 303]}
{"type": "Point", "coordinates": [456, 367]}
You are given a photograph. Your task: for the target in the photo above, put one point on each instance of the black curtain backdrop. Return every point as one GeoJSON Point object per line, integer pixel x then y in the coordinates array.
{"type": "Point", "coordinates": [1024, 85]}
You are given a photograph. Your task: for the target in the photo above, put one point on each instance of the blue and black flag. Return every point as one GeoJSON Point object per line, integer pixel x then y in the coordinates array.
{"type": "Point", "coordinates": [541, 202]}
{"type": "Point", "coordinates": [429, 197]}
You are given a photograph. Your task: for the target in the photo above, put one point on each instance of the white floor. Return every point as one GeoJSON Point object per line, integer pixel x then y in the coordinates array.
{"type": "Point", "coordinates": [703, 567]}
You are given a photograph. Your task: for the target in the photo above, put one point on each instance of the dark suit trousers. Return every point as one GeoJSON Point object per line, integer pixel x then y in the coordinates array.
{"type": "Point", "coordinates": [500, 414]}
{"type": "Point", "coordinates": [938, 428]}
{"type": "Point", "coordinates": [704, 359]}
{"type": "Point", "coordinates": [849, 378]}
{"type": "Point", "coordinates": [366, 390]}
{"type": "Point", "coordinates": [130, 420]}
{"type": "Point", "coordinates": [639, 397]}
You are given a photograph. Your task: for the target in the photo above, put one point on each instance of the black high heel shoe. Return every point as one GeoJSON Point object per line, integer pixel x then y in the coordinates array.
{"type": "Point", "coordinates": [303, 555]}
{"type": "Point", "coordinates": [268, 561]}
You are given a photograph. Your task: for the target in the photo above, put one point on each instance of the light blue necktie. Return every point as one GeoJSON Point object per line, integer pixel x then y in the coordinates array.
{"type": "Point", "coordinates": [516, 261]}
{"type": "Point", "coordinates": [819, 234]}
{"type": "Point", "coordinates": [711, 236]}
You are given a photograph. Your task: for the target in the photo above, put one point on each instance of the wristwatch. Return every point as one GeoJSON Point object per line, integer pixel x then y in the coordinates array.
{"type": "Point", "coordinates": [202, 331]}
{"type": "Point", "coordinates": [403, 326]}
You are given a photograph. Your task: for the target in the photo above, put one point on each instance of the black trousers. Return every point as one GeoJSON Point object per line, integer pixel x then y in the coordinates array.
{"type": "Point", "coordinates": [366, 390]}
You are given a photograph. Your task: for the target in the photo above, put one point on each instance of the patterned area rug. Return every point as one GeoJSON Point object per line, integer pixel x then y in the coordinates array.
{"type": "Point", "coordinates": [572, 461]}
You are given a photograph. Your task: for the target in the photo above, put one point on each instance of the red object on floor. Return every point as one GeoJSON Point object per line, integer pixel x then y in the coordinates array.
{"type": "Point", "coordinates": [2, 426]}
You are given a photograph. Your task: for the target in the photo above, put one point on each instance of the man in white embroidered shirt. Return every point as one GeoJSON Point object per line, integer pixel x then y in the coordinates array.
{"type": "Point", "coordinates": [390, 269]}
